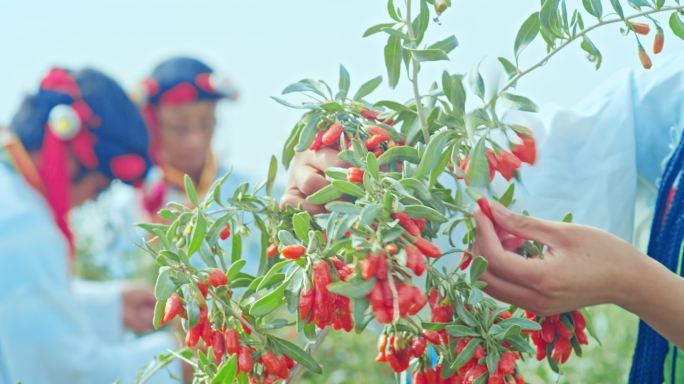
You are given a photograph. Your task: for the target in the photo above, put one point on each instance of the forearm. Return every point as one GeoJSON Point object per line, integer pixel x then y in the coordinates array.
{"type": "Point", "coordinates": [653, 295]}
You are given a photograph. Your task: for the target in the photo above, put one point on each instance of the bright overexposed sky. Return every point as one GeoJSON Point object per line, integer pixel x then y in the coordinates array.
{"type": "Point", "coordinates": [265, 45]}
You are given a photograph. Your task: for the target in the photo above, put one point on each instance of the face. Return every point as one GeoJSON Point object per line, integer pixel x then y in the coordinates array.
{"type": "Point", "coordinates": [88, 187]}
{"type": "Point", "coordinates": [185, 132]}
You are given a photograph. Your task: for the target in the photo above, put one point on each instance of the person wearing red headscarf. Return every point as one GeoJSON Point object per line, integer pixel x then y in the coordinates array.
{"type": "Point", "coordinates": [64, 145]}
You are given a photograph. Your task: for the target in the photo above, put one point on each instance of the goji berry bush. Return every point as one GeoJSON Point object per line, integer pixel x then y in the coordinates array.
{"type": "Point", "coordinates": [416, 169]}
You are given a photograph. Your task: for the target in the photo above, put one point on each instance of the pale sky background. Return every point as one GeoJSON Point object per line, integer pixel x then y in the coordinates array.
{"type": "Point", "coordinates": [265, 45]}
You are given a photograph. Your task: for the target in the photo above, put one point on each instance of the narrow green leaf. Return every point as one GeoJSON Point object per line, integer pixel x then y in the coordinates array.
{"type": "Point", "coordinates": [234, 269]}
{"type": "Point", "coordinates": [236, 248]}
{"type": "Point", "coordinates": [190, 191]}
{"type": "Point", "coordinates": [423, 55]}
{"type": "Point", "coordinates": [368, 87]}
{"type": "Point", "coordinates": [401, 153]}
{"type": "Point", "coordinates": [343, 207]}
{"type": "Point", "coordinates": [308, 133]}
{"type": "Point", "coordinates": [372, 164]}
{"type": "Point", "coordinates": [594, 7]}
{"type": "Point", "coordinates": [528, 31]}
{"type": "Point", "coordinates": [198, 232]}
{"type": "Point", "coordinates": [477, 268]}
{"type": "Point", "coordinates": [478, 168]}
{"type": "Point", "coordinates": [226, 371]}
{"type": "Point", "coordinates": [447, 45]}
{"type": "Point", "coordinates": [324, 195]}
{"type": "Point", "coordinates": [393, 53]}
{"type": "Point", "coordinates": [377, 28]}
{"type": "Point", "coordinates": [593, 54]}
{"type": "Point", "coordinates": [297, 354]}
{"type": "Point", "coordinates": [465, 355]}
{"type": "Point", "coordinates": [348, 188]}
{"type": "Point", "coordinates": [272, 172]}
{"type": "Point", "coordinates": [433, 153]}
{"type": "Point", "coordinates": [424, 212]}
{"type": "Point", "coordinates": [158, 313]}
{"type": "Point", "coordinates": [344, 84]}
{"type": "Point", "coordinates": [461, 331]}
{"type": "Point", "coordinates": [476, 82]}
{"type": "Point", "coordinates": [677, 25]}
{"type": "Point", "coordinates": [520, 103]}
{"type": "Point", "coordinates": [301, 222]}
{"type": "Point", "coordinates": [510, 69]}
{"type": "Point", "coordinates": [355, 290]}
{"type": "Point", "coordinates": [618, 8]}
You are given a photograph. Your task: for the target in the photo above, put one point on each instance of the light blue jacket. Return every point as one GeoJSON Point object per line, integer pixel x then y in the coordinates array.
{"type": "Point", "coordinates": [53, 331]}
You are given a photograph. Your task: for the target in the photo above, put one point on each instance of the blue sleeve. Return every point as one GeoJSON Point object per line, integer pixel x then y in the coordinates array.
{"type": "Point", "coordinates": [45, 335]}
{"type": "Point", "coordinates": [593, 156]}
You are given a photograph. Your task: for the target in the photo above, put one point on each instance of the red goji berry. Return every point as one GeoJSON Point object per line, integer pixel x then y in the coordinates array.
{"type": "Point", "coordinates": [293, 252]}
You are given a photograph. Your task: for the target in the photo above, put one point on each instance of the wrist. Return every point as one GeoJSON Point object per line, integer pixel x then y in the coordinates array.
{"type": "Point", "coordinates": [635, 281]}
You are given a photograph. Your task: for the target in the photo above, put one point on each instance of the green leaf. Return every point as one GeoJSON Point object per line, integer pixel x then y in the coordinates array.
{"type": "Point", "coordinates": [296, 106]}
{"type": "Point", "coordinates": [393, 105]}
{"type": "Point", "coordinates": [548, 18]}
{"type": "Point", "coordinates": [286, 238]}
{"type": "Point", "coordinates": [226, 371]}
{"type": "Point", "coordinates": [236, 248]}
{"type": "Point", "coordinates": [190, 190]}
{"type": "Point", "coordinates": [343, 207]}
{"type": "Point", "coordinates": [234, 269]}
{"type": "Point", "coordinates": [618, 8]}
{"type": "Point", "coordinates": [423, 55]}
{"type": "Point", "coordinates": [401, 153]}
{"type": "Point", "coordinates": [433, 153]}
{"type": "Point", "coordinates": [447, 45]}
{"type": "Point", "coordinates": [676, 25]}
{"type": "Point", "coordinates": [348, 188]}
{"type": "Point", "coordinates": [373, 166]}
{"type": "Point", "coordinates": [301, 222]}
{"type": "Point", "coordinates": [424, 212]}
{"type": "Point", "coordinates": [528, 31]}
{"type": "Point", "coordinates": [345, 82]}
{"type": "Point", "coordinates": [393, 53]}
{"type": "Point", "coordinates": [594, 7]}
{"type": "Point", "coordinates": [159, 307]}
{"type": "Point", "coordinates": [197, 234]}
{"type": "Point", "coordinates": [392, 11]}
{"type": "Point", "coordinates": [567, 218]}
{"type": "Point", "coordinates": [421, 22]}
{"type": "Point", "coordinates": [637, 4]}
{"type": "Point", "coordinates": [464, 356]}
{"type": "Point", "coordinates": [359, 313]}
{"type": "Point", "coordinates": [352, 290]}
{"type": "Point", "coordinates": [520, 103]}
{"type": "Point", "coordinates": [164, 286]}
{"type": "Point", "coordinates": [461, 330]}
{"type": "Point", "coordinates": [452, 86]}
{"type": "Point", "coordinates": [290, 143]}
{"type": "Point", "coordinates": [369, 213]}
{"type": "Point", "coordinates": [324, 195]}
{"type": "Point", "coordinates": [510, 69]}
{"type": "Point", "coordinates": [476, 82]}
{"type": "Point", "coordinates": [507, 198]}
{"type": "Point", "coordinates": [275, 270]}
{"type": "Point", "coordinates": [478, 167]}
{"type": "Point", "coordinates": [297, 354]}
{"type": "Point", "coordinates": [306, 85]}
{"type": "Point", "coordinates": [377, 28]}
{"type": "Point", "coordinates": [478, 267]}
{"type": "Point", "coordinates": [593, 54]}
{"type": "Point", "coordinates": [368, 87]}
{"type": "Point", "coordinates": [523, 323]}
{"type": "Point", "coordinates": [308, 133]}
{"type": "Point", "coordinates": [519, 344]}
{"type": "Point", "coordinates": [271, 301]}
{"type": "Point", "coordinates": [272, 172]}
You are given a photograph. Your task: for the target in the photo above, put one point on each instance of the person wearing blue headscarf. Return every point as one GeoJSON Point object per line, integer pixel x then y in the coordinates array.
{"type": "Point", "coordinates": [596, 158]}
{"type": "Point", "coordinates": [64, 145]}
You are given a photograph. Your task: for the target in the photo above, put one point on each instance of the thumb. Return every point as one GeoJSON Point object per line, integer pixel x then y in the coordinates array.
{"type": "Point", "coordinates": [542, 231]}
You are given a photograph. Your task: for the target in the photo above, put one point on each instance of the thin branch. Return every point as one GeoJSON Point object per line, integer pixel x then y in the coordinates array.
{"type": "Point", "coordinates": [414, 80]}
{"type": "Point", "coordinates": [553, 52]}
